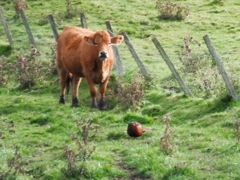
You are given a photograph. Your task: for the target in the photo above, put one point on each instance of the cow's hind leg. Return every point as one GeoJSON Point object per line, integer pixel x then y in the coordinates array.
{"type": "Point", "coordinates": [94, 103]}
{"type": "Point", "coordinates": [63, 84]}
{"type": "Point", "coordinates": [76, 83]}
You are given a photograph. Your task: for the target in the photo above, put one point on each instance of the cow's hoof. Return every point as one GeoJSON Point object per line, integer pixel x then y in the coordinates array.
{"type": "Point", "coordinates": [94, 104]}
{"type": "Point", "coordinates": [102, 104]}
{"type": "Point", "coordinates": [62, 100]}
{"type": "Point", "coordinates": [75, 102]}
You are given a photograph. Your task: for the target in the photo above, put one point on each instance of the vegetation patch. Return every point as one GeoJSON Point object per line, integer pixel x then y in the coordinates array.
{"type": "Point", "coordinates": [217, 2]}
{"type": "Point", "coordinates": [179, 173]}
{"type": "Point", "coordinates": [77, 159]}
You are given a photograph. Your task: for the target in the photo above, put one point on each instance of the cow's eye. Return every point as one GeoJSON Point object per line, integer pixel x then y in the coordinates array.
{"type": "Point", "coordinates": [95, 43]}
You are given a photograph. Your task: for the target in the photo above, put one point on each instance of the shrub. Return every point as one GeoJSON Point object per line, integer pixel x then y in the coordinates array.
{"type": "Point", "coordinates": [128, 91]}
{"type": "Point", "coordinates": [199, 70]}
{"type": "Point", "coordinates": [19, 5]}
{"type": "Point", "coordinates": [171, 11]}
{"type": "Point", "coordinates": [29, 69]}
{"type": "Point", "coordinates": [189, 58]}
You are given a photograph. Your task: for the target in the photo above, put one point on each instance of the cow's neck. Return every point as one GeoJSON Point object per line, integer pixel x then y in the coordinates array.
{"type": "Point", "coordinates": [101, 71]}
{"type": "Point", "coordinates": [102, 66]}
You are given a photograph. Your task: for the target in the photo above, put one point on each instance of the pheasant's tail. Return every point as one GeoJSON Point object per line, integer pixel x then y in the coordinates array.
{"type": "Point", "coordinates": [147, 129]}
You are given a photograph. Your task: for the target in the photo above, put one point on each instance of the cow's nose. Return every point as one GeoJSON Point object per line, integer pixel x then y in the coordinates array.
{"type": "Point", "coordinates": [103, 55]}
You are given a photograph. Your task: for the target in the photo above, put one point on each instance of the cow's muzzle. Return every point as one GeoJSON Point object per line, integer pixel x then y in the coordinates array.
{"type": "Point", "coordinates": [103, 55]}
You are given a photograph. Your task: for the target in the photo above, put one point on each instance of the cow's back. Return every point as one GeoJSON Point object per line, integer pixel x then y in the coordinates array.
{"type": "Point", "coordinates": [73, 53]}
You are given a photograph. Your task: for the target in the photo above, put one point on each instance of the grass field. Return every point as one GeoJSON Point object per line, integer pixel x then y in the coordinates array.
{"type": "Point", "coordinates": [38, 137]}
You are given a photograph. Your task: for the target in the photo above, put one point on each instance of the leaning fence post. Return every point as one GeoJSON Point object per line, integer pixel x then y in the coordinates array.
{"type": "Point", "coordinates": [53, 25]}
{"type": "Point", "coordinates": [172, 68]}
{"type": "Point", "coordinates": [5, 25]}
{"type": "Point", "coordinates": [221, 68]}
{"type": "Point", "coordinates": [83, 20]}
{"type": "Point", "coordinates": [29, 32]}
{"type": "Point", "coordinates": [136, 57]}
{"type": "Point", "coordinates": [117, 63]}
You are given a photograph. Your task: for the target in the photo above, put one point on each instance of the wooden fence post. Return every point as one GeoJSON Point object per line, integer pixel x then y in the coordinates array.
{"type": "Point", "coordinates": [136, 57]}
{"type": "Point", "coordinates": [29, 32]}
{"type": "Point", "coordinates": [83, 20]}
{"type": "Point", "coordinates": [221, 68]}
{"type": "Point", "coordinates": [53, 25]}
{"type": "Point", "coordinates": [5, 25]}
{"type": "Point", "coordinates": [172, 68]}
{"type": "Point", "coordinates": [117, 63]}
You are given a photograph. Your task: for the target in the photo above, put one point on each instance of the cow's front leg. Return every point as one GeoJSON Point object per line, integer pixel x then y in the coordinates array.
{"type": "Point", "coordinates": [94, 103]}
{"type": "Point", "coordinates": [103, 87]}
{"type": "Point", "coordinates": [75, 86]}
{"type": "Point", "coordinates": [93, 92]}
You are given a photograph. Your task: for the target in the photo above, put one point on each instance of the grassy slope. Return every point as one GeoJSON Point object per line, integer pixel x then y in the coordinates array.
{"type": "Point", "coordinates": [204, 134]}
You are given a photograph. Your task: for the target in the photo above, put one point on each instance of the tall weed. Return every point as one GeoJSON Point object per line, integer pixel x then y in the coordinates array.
{"type": "Point", "coordinates": [166, 141]}
{"type": "Point", "coordinates": [69, 9]}
{"type": "Point", "coordinates": [78, 156]}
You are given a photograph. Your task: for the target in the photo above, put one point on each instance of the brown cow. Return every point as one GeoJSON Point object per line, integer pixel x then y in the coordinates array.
{"type": "Point", "coordinates": [84, 53]}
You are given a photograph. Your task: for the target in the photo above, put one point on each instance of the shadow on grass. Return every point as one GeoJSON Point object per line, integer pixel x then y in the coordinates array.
{"type": "Point", "coordinates": [5, 50]}
{"type": "Point", "coordinates": [182, 108]}
{"type": "Point", "coordinates": [14, 109]}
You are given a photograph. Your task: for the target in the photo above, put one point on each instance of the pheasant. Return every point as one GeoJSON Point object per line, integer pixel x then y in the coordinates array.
{"type": "Point", "coordinates": [135, 129]}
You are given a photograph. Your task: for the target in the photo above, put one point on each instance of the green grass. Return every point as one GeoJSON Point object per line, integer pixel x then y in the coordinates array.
{"type": "Point", "coordinates": [203, 128]}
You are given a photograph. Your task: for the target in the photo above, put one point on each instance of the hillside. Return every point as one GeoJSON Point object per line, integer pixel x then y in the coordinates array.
{"type": "Point", "coordinates": [187, 138]}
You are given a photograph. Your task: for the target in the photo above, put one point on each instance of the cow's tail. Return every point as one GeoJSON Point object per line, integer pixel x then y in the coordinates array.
{"type": "Point", "coordinates": [69, 82]}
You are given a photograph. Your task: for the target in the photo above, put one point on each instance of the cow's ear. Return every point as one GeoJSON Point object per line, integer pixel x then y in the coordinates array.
{"type": "Point", "coordinates": [116, 40]}
{"type": "Point", "coordinates": [89, 40]}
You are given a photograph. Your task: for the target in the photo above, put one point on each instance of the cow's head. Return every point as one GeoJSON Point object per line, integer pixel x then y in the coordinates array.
{"type": "Point", "coordinates": [102, 41]}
